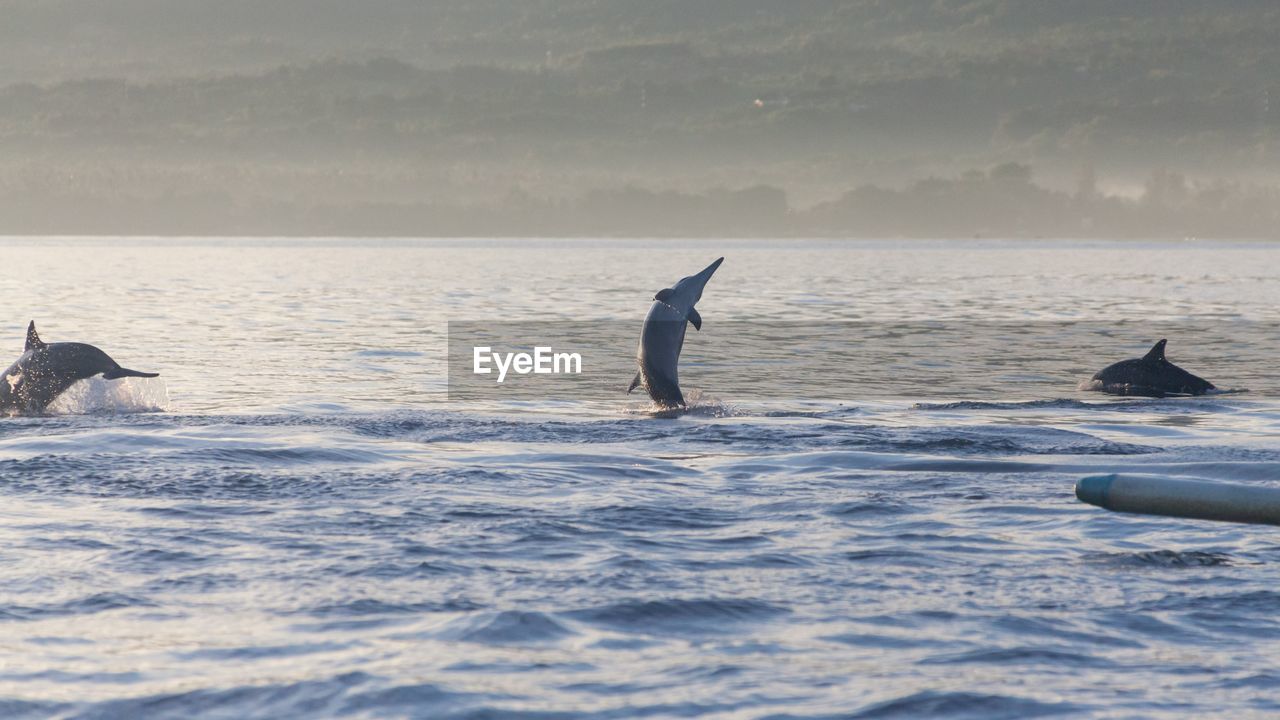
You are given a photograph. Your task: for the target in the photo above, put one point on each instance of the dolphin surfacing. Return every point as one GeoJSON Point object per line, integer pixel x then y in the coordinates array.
{"type": "Point", "coordinates": [1148, 376]}
{"type": "Point", "coordinates": [662, 338]}
{"type": "Point", "coordinates": [46, 370]}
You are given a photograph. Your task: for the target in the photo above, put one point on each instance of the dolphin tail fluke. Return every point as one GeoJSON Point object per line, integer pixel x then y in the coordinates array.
{"type": "Point", "coordinates": [120, 372]}
{"type": "Point", "coordinates": [635, 383]}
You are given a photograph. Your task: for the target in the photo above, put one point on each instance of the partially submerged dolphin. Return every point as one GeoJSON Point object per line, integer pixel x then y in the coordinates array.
{"type": "Point", "coordinates": [1150, 376]}
{"type": "Point", "coordinates": [662, 338]}
{"type": "Point", "coordinates": [45, 370]}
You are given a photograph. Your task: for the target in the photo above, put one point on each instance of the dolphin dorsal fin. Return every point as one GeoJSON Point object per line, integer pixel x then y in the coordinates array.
{"type": "Point", "coordinates": [33, 340]}
{"type": "Point", "coordinates": [1156, 353]}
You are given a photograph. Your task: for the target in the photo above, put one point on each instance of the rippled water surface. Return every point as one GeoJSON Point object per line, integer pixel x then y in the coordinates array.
{"type": "Point", "coordinates": [296, 521]}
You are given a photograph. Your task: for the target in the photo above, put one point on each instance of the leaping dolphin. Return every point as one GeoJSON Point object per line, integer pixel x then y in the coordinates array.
{"type": "Point", "coordinates": [662, 338]}
{"type": "Point", "coordinates": [45, 370]}
{"type": "Point", "coordinates": [1149, 376]}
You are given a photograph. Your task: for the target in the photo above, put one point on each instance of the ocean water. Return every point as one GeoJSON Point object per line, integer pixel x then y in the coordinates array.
{"type": "Point", "coordinates": [299, 519]}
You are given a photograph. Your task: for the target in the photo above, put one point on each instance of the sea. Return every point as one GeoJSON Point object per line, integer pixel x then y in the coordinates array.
{"type": "Point", "coordinates": [866, 511]}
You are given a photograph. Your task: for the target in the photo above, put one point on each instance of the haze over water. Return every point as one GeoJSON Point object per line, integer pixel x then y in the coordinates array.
{"type": "Point", "coordinates": [295, 520]}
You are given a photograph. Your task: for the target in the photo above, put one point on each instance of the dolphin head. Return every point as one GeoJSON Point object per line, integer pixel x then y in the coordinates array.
{"type": "Point", "coordinates": [688, 291]}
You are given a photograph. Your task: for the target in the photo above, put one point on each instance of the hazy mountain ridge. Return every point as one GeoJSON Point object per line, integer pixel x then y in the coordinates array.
{"type": "Point", "coordinates": [324, 104]}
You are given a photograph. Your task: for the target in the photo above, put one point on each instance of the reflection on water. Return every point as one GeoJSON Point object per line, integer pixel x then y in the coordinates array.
{"type": "Point", "coordinates": [309, 528]}
{"type": "Point", "coordinates": [843, 361]}
{"type": "Point", "coordinates": [256, 325]}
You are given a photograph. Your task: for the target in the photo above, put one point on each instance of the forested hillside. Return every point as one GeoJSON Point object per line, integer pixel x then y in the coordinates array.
{"type": "Point", "coordinates": [1150, 117]}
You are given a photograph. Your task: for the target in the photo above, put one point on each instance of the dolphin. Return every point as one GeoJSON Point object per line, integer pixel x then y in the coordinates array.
{"type": "Point", "coordinates": [1150, 376]}
{"type": "Point", "coordinates": [662, 338]}
{"type": "Point", "coordinates": [45, 370]}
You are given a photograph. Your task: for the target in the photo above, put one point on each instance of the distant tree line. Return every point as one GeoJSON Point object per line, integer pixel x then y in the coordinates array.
{"type": "Point", "coordinates": [1003, 202]}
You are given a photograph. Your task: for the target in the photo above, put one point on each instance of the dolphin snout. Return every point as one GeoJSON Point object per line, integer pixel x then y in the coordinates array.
{"type": "Point", "coordinates": [706, 274]}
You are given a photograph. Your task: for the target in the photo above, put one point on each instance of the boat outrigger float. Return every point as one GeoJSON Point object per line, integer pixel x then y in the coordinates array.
{"type": "Point", "coordinates": [1182, 498]}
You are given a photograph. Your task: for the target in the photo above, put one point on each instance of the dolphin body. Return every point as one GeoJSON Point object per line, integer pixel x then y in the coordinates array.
{"type": "Point", "coordinates": [1149, 376]}
{"type": "Point", "coordinates": [45, 370]}
{"type": "Point", "coordinates": [662, 338]}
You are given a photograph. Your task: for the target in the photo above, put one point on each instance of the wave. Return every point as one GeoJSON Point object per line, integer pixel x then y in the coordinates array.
{"type": "Point", "coordinates": [1163, 558]}
{"type": "Point", "coordinates": [679, 617]}
{"type": "Point", "coordinates": [1051, 404]}
{"type": "Point", "coordinates": [966, 705]}
{"type": "Point", "coordinates": [511, 627]}
{"type": "Point", "coordinates": [1203, 403]}
{"type": "Point", "coordinates": [91, 604]}
{"type": "Point", "coordinates": [1019, 657]}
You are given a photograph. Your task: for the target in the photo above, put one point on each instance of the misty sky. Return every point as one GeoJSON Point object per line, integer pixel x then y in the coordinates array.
{"type": "Point", "coordinates": [179, 115]}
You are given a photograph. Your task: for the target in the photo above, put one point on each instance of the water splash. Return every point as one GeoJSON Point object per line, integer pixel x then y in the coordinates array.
{"type": "Point", "coordinates": [704, 404]}
{"type": "Point", "coordinates": [697, 402]}
{"type": "Point", "coordinates": [98, 396]}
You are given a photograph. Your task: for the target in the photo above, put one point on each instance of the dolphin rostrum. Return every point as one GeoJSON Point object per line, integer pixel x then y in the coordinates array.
{"type": "Point", "coordinates": [45, 370]}
{"type": "Point", "coordinates": [1150, 376]}
{"type": "Point", "coordinates": [662, 338]}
